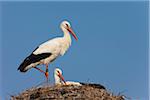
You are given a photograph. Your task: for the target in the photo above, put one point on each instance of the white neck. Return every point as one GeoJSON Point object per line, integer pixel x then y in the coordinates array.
{"type": "Point", "coordinates": [66, 41]}
{"type": "Point", "coordinates": [66, 37]}
{"type": "Point", "coordinates": [57, 80]}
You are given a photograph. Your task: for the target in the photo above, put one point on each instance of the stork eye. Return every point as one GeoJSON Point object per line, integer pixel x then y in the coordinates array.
{"type": "Point", "coordinates": [67, 25]}
{"type": "Point", "coordinates": [58, 71]}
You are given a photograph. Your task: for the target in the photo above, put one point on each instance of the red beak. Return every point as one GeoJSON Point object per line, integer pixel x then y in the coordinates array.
{"type": "Point", "coordinates": [73, 34]}
{"type": "Point", "coordinates": [62, 78]}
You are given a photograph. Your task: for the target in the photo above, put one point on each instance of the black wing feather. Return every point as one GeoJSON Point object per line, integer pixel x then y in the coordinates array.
{"type": "Point", "coordinates": [94, 85]}
{"type": "Point", "coordinates": [32, 59]}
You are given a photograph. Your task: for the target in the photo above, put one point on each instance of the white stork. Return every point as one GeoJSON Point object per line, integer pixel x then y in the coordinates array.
{"type": "Point", "coordinates": [59, 80]}
{"type": "Point", "coordinates": [49, 51]}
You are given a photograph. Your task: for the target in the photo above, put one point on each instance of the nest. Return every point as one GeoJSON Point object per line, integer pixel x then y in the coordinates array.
{"type": "Point", "coordinates": [69, 92]}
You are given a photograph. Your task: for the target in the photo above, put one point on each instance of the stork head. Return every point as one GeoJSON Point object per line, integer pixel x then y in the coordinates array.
{"type": "Point", "coordinates": [58, 76]}
{"type": "Point", "coordinates": [66, 25]}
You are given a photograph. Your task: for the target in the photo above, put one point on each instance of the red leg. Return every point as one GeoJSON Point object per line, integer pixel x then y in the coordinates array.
{"type": "Point", "coordinates": [46, 73]}
{"type": "Point", "coordinates": [39, 70]}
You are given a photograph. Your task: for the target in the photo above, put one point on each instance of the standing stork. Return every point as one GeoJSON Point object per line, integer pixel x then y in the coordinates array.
{"type": "Point", "coordinates": [49, 51]}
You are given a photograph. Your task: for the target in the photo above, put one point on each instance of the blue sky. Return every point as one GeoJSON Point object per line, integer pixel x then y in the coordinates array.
{"type": "Point", "coordinates": [112, 48]}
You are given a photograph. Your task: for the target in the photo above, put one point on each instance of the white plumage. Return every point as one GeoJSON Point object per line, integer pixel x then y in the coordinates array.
{"type": "Point", "coordinates": [49, 51]}
{"type": "Point", "coordinates": [59, 79]}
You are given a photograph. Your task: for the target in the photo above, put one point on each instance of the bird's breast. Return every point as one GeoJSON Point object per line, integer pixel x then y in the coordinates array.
{"type": "Point", "coordinates": [64, 48]}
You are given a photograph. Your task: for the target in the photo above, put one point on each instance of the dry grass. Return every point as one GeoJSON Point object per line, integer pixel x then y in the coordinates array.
{"type": "Point", "coordinates": [84, 92]}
